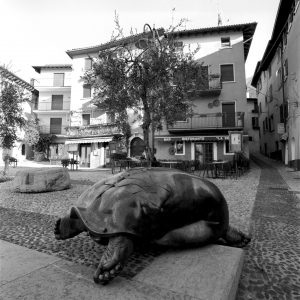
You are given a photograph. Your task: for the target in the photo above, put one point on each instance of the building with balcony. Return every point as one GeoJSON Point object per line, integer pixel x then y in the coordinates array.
{"type": "Point", "coordinates": [21, 150]}
{"type": "Point", "coordinates": [220, 101]}
{"type": "Point", "coordinates": [276, 80]}
{"type": "Point", "coordinates": [52, 108]}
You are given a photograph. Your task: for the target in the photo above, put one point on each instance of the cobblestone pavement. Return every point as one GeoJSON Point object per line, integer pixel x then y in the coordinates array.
{"type": "Point", "coordinates": [35, 231]}
{"type": "Point", "coordinates": [272, 260]}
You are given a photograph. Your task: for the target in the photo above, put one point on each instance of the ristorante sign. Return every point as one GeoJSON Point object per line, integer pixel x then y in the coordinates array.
{"type": "Point", "coordinates": [197, 138]}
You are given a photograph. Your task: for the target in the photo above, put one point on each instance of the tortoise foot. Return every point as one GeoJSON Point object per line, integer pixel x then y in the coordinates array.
{"type": "Point", "coordinates": [113, 260]}
{"type": "Point", "coordinates": [66, 228]}
{"type": "Point", "coordinates": [236, 238]}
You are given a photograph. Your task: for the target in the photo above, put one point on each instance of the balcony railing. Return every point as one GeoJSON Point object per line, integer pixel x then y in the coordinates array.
{"type": "Point", "coordinates": [210, 121]}
{"type": "Point", "coordinates": [92, 130]}
{"type": "Point", "coordinates": [47, 106]}
{"type": "Point", "coordinates": [209, 85]}
{"type": "Point", "coordinates": [55, 129]}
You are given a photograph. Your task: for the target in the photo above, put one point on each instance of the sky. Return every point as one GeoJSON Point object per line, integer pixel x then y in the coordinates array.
{"type": "Point", "coordinates": [39, 32]}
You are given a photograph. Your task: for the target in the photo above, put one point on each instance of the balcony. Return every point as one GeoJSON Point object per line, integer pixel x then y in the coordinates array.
{"type": "Point", "coordinates": [92, 130]}
{"type": "Point", "coordinates": [47, 107]}
{"type": "Point", "coordinates": [209, 85]}
{"type": "Point", "coordinates": [53, 129]}
{"type": "Point", "coordinates": [210, 121]}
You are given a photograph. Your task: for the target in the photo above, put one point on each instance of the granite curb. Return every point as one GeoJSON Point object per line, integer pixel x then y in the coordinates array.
{"type": "Point", "coordinates": [211, 272]}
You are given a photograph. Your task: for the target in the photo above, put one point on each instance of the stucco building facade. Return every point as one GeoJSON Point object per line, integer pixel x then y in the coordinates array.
{"type": "Point", "coordinates": [276, 79]}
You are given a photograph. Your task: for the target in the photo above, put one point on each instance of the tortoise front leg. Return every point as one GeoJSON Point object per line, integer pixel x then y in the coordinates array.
{"type": "Point", "coordinates": [114, 258]}
{"type": "Point", "coordinates": [66, 228]}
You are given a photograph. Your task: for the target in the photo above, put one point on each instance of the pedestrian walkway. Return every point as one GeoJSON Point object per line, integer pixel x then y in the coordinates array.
{"type": "Point", "coordinates": [209, 273]}
{"type": "Point", "coordinates": [272, 261]}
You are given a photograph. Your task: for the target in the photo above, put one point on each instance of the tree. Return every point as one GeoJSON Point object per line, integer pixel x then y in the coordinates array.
{"type": "Point", "coordinates": [11, 118]}
{"type": "Point", "coordinates": [153, 78]}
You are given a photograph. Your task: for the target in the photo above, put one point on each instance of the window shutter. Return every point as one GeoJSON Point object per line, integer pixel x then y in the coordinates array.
{"type": "Point", "coordinates": [227, 73]}
{"type": "Point", "coordinates": [87, 64]}
{"type": "Point", "coordinates": [87, 91]}
{"type": "Point", "coordinates": [57, 102]}
{"type": "Point", "coordinates": [58, 79]}
{"type": "Point", "coordinates": [55, 125]}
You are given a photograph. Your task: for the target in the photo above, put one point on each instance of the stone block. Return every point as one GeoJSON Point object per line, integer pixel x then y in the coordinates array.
{"type": "Point", "coordinates": [41, 180]}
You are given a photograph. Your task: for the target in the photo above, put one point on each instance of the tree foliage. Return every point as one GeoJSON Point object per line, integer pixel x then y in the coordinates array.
{"type": "Point", "coordinates": [11, 118]}
{"type": "Point", "coordinates": [154, 82]}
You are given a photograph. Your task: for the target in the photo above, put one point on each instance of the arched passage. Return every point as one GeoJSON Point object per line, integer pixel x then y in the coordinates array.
{"type": "Point", "coordinates": [137, 147]}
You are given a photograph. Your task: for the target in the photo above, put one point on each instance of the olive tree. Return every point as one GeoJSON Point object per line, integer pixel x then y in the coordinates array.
{"type": "Point", "coordinates": [149, 74]}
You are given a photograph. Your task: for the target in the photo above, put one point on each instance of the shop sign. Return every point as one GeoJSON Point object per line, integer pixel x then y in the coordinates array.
{"type": "Point", "coordinates": [235, 141]}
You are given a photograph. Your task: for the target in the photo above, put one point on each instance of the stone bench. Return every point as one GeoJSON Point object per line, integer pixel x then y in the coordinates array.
{"type": "Point", "coordinates": [41, 180]}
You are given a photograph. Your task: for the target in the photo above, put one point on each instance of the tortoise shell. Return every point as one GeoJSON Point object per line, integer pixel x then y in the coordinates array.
{"type": "Point", "coordinates": [148, 203]}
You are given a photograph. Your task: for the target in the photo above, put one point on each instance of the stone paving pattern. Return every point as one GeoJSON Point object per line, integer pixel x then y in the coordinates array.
{"type": "Point", "coordinates": [272, 260]}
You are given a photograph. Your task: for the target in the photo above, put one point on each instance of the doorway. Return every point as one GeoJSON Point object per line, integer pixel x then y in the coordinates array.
{"type": "Point", "coordinates": [204, 152]}
{"type": "Point", "coordinates": [85, 155]}
{"type": "Point", "coordinates": [137, 147]}
{"type": "Point", "coordinates": [228, 114]}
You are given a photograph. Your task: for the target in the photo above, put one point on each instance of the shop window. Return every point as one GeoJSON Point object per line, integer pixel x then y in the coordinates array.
{"type": "Point", "coordinates": [227, 73]}
{"type": "Point", "coordinates": [179, 148]}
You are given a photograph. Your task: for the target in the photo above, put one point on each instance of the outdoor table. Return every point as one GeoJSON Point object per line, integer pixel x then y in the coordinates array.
{"type": "Point", "coordinates": [171, 164]}
{"type": "Point", "coordinates": [215, 167]}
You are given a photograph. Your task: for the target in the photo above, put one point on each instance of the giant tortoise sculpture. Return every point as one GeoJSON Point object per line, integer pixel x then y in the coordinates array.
{"type": "Point", "coordinates": [163, 206]}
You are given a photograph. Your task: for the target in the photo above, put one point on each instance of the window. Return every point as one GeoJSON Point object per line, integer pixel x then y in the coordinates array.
{"type": "Point", "coordinates": [225, 42]}
{"type": "Point", "coordinates": [87, 64]}
{"type": "Point", "coordinates": [285, 69]}
{"type": "Point", "coordinates": [260, 108]}
{"type": "Point", "coordinates": [57, 102]}
{"type": "Point", "coordinates": [270, 93]}
{"type": "Point", "coordinates": [255, 123]}
{"type": "Point", "coordinates": [271, 120]}
{"type": "Point", "coordinates": [250, 139]}
{"type": "Point", "coordinates": [86, 119]}
{"type": "Point", "coordinates": [55, 125]}
{"type": "Point", "coordinates": [58, 79]}
{"type": "Point", "coordinates": [179, 148]}
{"type": "Point", "coordinates": [226, 148]}
{"type": "Point", "coordinates": [227, 73]}
{"type": "Point", "coordinates": [87, 91]}
{"type": "Point", "coordinates": [270, 71]}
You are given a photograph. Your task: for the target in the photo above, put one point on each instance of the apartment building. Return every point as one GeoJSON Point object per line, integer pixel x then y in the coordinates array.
{"type": "Point", "coordinates": [21, 150]}
{"type": "Point", "coordinates": [53, 105]}
{"type": "Point", "coordinates": [276, 80]}
{"type": "Point", "coordinates": [220, 102]}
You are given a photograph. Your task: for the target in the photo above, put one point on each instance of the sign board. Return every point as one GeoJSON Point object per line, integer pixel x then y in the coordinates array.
{"type": "Point", "coordinates": [72, 147]}
{"type": "Point", "coordinates": [280, 128]}
{"type": "Point", "coordinates": [235, 141]}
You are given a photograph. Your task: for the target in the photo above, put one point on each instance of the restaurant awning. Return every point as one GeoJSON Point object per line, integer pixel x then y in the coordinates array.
{"type": "Point", "coordinates": [193, 138]}
{"type": "Point", "coordinates": [89, 140]}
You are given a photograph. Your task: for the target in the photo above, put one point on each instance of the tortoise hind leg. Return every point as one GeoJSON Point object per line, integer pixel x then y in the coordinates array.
{"type": "Point", "coordinates": [67, 227]}
{"type": "Point", "coordinates": [198, 233]}
{"type": "Point", "coordinates": [235, 238]}
{"type": "Point", "coordinates": [114, 258]}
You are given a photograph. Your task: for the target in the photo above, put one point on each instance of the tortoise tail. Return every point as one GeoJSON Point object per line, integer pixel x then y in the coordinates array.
{"type": "Point", "coordinates": [235, 238]}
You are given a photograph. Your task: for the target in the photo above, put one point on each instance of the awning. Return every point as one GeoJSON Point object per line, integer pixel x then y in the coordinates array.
{"type": "Point", "coordinates": [193, 138]}
{"type": "Point", "coordinates": [89, 140]}
{"type": "Point", "coordinates": [284, 137]}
